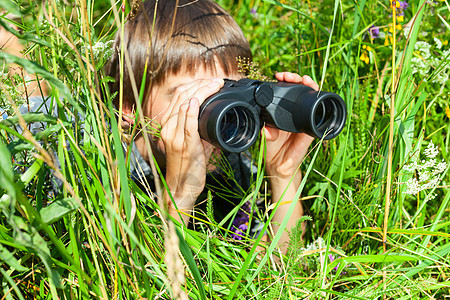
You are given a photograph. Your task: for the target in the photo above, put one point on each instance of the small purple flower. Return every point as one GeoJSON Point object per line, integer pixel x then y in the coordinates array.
{"type": "Point", "coordinates": [237, 235]}
{"type": "Point", "coordinates": [332, 258]}
{"type": "Point", "coordinates": [239, 232]}
{"type": "Point", "coordinates": [243, 227]}
{"type": "Point", "coordinates": [253, 12]}
{"type": "Point", "coordinates": [374, 32]}
{"type": "Point", "coordinates": [403, 5]}
{"type": "Point", "coordinates": [240, 222]}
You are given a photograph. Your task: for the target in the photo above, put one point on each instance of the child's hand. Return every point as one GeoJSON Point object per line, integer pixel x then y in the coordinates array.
{"type": "Point", "coordinates": [186, 154]}
{"type": "Point", "coordinates": [286, 150]}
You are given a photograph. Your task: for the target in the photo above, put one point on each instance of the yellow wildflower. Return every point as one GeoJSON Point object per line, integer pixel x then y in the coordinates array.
{"type": "Point", "coordinates": [397, 26]}
{"type": "Point", "coordinates": [400, 18]}
{"type": "Point", "coordinates": [388, 40]}
{"type": "Point", "coordinates": [395, 3]}
{"type": "Point", "coordinates": [368, 48]}
{"type": "Point", "coordinates": [364, 57]}
{"type": "Point", "coordinates": [447, 112]}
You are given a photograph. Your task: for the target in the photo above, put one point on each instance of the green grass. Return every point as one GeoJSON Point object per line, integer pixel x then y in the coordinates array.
{"type": "Point", "coordinates": [99, 238]}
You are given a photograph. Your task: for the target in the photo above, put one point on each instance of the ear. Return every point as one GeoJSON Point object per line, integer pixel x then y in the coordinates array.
{"type": "Point", "coordinates": [128, 111]}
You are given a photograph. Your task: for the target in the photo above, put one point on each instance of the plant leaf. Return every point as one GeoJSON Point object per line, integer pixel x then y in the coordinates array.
{"type": "Point", "coordinates": [9, 258]}
{"type": "Point", "coordinates": [57, 209]}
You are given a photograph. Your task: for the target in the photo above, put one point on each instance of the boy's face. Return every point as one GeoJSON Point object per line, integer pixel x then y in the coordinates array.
{"type": "Point", "coordinates": [166, 93]}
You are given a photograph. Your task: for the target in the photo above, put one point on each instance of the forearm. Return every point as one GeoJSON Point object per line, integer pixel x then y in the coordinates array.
{"type": "Point", "coordinates": [180, 208]}
{"type": "Point", "coordinates": [280, 186]}
{"type": "Point", "coordinates": [285, 153]}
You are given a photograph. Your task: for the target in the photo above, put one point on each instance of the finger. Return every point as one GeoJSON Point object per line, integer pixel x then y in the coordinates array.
{"type": "Point", "coordinates": [191, 126]}
{"type": "Point", "coordinates": [209, 150]}
{"type": "Point", "coordinates": [288, 77]}
{"type": "Point", "coordinates": [168, 131]}
{"type": "Point", "coordinates": [170, 123]}
{"type": "Point", "coordinates": [270, 133]}
{"type": "Point", "coordinates": [207, 88]}
{"type": "Point", "coordinates": [178, 141]}
{"type": "Point", "coordinates": [201, 89]}
{"type": "Point", "coordinates": [306, 80]}
{"type": "Point", "coordinates": [302, 143]}
{"type": "Point", "coordinates": [180, 95]}
{"type": "Point", "coordinates": [192, 137]}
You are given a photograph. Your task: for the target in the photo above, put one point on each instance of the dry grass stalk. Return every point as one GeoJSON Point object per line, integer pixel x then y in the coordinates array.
{"type": "Point", "coordinates": [174, 263]}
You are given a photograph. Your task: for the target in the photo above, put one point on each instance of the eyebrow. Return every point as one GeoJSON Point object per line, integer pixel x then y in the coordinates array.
{"type": "Point", "coordinates": [171, 90]}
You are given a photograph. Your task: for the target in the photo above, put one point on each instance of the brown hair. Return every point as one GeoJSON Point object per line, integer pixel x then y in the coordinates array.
{"type": "Point", "coordinates": [176, 36]}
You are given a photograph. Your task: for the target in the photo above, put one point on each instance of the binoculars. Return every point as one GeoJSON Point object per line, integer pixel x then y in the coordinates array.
{"type": "Point", "coordinates": [232, 118]}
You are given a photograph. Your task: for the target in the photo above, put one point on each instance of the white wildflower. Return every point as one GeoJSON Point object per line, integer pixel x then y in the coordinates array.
{"type": "Point", "coordinates": [430, 184]}
{"type": "Point", "coordinates": [420, 65]}
{"type": "Point", "coordinates": [438, 43]}
{"type": "Point", "coordinates": [424, 176]}
{"type": "Point", "coordinates": [406, 30]}
{"type": "Point", "coordinates": [379, 208]}
{"type": "Point", "coordinates": [102, 51]}
{"type": "Point", "coordinates": [317, 244]}
{"type": "Point", "coordinates": [427, 172]}
{"type": "Point", "coordinates": [430, 196]}
{"type": "Point", "coordinates": [442, 69]}
{"type": "Point", "coordinates": [412, 186]}
{"type": "Point", "coordinates": [424, 63]}
{"type": "Point", "coordinates": [410, 167]}
{"type": "Point", "coordinates": [440, 167]}
{"type": "Point", "coordinates": [427, 164]}
{"type": "Point", "coordinates": [441, 78]}
{"type": "Point", "coordinates": [423, 48]}
{"type": "Point", "coordinates": [431, 151]}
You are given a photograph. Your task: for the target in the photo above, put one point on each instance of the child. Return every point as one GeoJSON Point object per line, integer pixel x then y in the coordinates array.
{"type": "Point", "coordinates": [189, 47]}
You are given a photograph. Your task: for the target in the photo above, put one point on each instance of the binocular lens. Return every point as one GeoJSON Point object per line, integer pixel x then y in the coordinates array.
{"type": "Point", "coordinates": [235, 126]}
{"type": "Point", "coordinates": [230, 124]}
{"type": "Point", "coordinates": [324, 115]}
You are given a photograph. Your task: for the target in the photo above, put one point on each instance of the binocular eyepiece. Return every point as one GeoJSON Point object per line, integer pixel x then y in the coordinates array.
{"type": "Point", "coordinates": [232, 118]}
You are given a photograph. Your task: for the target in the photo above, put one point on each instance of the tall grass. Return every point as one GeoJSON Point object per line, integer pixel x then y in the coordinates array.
{"type": "Point", "coordinates": [368, 237]}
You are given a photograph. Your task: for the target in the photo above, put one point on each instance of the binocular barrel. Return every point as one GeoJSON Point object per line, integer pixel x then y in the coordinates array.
{"type": "Point", "coordinates": [232, 118]}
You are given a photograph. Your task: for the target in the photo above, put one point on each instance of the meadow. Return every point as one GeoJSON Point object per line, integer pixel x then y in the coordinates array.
{"type": "Point", "coordinates": [377, 197]}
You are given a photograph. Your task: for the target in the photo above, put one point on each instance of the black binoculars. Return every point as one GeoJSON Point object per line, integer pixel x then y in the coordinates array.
{"type": "Point", "coordinates": [232, 118]}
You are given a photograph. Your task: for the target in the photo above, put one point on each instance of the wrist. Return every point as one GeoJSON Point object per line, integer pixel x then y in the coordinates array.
{"type": "Point", "coordinates": [181, 199]}
{"type": "Point", "coordinates": [283, 180]}
{"type": "Point", "coordinates": [284, 186]}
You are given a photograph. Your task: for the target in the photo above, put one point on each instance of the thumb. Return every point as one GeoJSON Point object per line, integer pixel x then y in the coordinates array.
{"type": "Point", "coordinates": [270, 133]}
